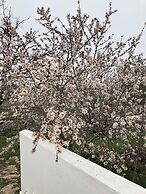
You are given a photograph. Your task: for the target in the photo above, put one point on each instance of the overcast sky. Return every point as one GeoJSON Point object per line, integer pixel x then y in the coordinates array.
{"type": "Point", "coordinates": [128, 21]}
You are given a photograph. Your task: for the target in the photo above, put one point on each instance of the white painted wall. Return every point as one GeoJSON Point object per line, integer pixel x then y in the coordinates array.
{"type": "Point", "coordinates": [72, 174]}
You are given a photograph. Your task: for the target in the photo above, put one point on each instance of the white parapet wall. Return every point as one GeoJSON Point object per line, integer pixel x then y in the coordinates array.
{"type": "Point", "coordinates": [72, 174]}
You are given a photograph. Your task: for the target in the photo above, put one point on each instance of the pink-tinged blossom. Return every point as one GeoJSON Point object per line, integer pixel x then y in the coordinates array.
{"type": "Point", "coordinates": [75, 87]}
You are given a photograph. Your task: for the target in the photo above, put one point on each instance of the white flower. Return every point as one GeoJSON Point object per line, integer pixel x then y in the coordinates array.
{"type": "Point", "coordinates": [101, 158]}
{"type": "Point", "coordinates": [115, 125]}
{"type": "Point", "coordinates": [113, 114]}
{"type": "Point", "coordinates": [78, 142]}
{"type": "Point", "coordinates": [93, 156]}
{"type": "Point", "coordinates": [79, 125]}
{"type": "Point", "coordinates": [51, 115]}
{"type": "Point", "coordinates": [115, 166]}
{"type": "Point", "coordinates": [75, 137]}
{"type": "Point", "coordinates": [90, 98]}
{"type": "Point", "coordinates": [119, 170]}
{"type": "Point", "coordinates": [65, 128]}
{"type": "Point", "coordinates": [91, 144]}
{"type": "Point", "coordinates": [123, 121]}
{"type": "Point", "coordinates": [66, 143]}
{"type": "Point", "coordinates": [57, 129]}
{"type": "Point", "coordinates": [84, 111]}
{"type": "Point", "coordinates": [62, 114]}
{"type": "Point", "coordinates": [130, 122]}
{"type": "Point", "coordinates": [124, 167]}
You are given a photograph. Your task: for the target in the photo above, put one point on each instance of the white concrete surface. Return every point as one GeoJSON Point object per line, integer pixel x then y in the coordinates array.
{"type": "Point", "coordinates": [72, 174]}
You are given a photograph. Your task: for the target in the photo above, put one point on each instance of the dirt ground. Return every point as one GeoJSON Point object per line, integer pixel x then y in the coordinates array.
{"type": "Point", "coordinates": [9, 170]}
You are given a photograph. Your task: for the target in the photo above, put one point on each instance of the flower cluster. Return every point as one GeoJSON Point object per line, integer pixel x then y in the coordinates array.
{"type": "Point", "coordinates": [75, 87]}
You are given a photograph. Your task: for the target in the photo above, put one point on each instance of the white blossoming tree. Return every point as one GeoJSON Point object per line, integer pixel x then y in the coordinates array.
{"type": "Point", "coordinates": [74, 86]}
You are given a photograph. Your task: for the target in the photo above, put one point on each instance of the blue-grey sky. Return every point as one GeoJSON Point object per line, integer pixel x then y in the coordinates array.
{"type": "Point", "coordinates": [128, 21]}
